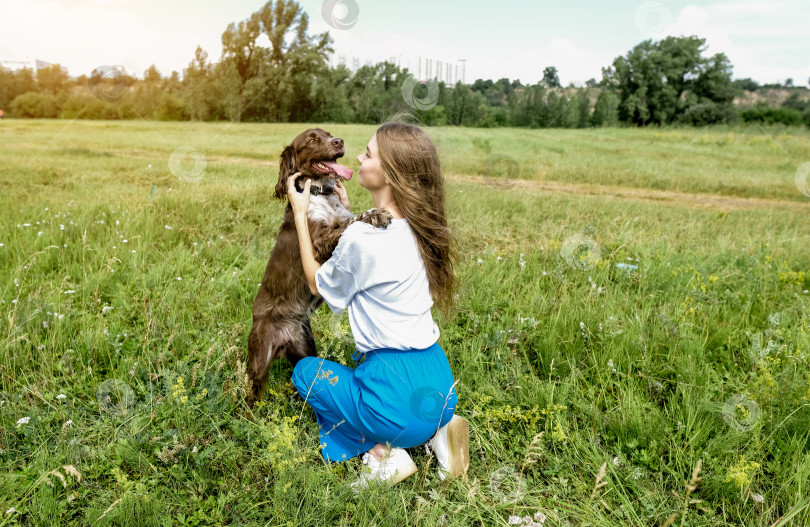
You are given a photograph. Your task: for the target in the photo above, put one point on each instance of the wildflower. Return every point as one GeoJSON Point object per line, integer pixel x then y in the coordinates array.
{"type": "Point", "coordinates": [480, 261]}
{"type": "Point", "coordinates": [12, 510]}
{"type": "Point", "coordinates": [740, 474]}
{"type": "Point", "coordinates": [69, 292]}
{"type": "Point", "coordinates": [168, 227]}
{"type": "Point", "coordinates": [617, 462]}
{"type": "Point", "coordinates": [104, 309]}
{"type": "Point", "coordinates": [179, 278]}
{"type": "Point", "coordinates": [61, 396]}
{"type": "Point", "coordinates": [758, 498]}
{"type": "Point", "coordinates": [23, 421]}
{"type": "Point", "coordinates": [68, 422]}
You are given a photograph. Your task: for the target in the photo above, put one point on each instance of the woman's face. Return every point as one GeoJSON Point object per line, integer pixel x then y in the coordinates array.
{"type": "Point", "coordinates": [370, 174]}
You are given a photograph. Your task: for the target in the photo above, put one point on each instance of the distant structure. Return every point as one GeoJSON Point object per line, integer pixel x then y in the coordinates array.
{"type": "Point", "coordinates": [423, 68]}
{"type": "Point", "coordinates": [31, 64]}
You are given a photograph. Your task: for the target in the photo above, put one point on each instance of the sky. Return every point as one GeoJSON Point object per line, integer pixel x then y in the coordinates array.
{"type": "Point", "coordinates": [768, 41]}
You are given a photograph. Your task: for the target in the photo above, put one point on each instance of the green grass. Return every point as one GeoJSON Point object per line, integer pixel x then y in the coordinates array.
{"type": "Point", "coordinates": [118, 279]}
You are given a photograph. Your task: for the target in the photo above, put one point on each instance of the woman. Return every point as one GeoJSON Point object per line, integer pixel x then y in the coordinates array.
{"type": "Point", "coordinates": [403, 393]}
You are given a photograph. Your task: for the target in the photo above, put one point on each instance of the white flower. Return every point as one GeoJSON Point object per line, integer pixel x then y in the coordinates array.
{"type": "Point", "coordinates": [12, 510]}
{"type": "Point", "coordinates": [179, 278]}
{"type": "Point", "coordinates": [39, 233]}
{"type": "Point", "coordinates": [23, 421]}
{"type": "Point", "coordinates": [582, 325]}
{"type": "Point", "coordinates": [480, 261]}
{"type": "Point", "coordinates": [539, 517]}
{"type": "Point", "coordinates": [125, 241]}
{"type": "Point", "coordinates": [69, 292]}
{"type": "Point", "coordinates": [515, 520]}
{"type": "Point", "coordinates": [758, 498]}
{"type": "Point", "coordinates": [617, 462]}
{"type": "Point", "coordinates": [104, 309]}
{"type": "Point", "coordinates": [168, 227]}
{"type": "Point", "coordinates": [61, 396]}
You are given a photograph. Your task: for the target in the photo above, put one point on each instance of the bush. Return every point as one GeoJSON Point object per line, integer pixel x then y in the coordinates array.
{"type": "Point", "coordinates": [769, 115]}
{"type": "Point", "coordinates": [37, 105]}
{"type": "Point", "coordinates": [708, 113]}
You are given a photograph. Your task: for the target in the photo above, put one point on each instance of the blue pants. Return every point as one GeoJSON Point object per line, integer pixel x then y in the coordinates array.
{"type": "Point", "coordinates": [395, 397]}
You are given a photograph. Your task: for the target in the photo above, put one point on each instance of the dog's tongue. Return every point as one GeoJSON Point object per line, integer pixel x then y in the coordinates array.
{"type": "Point", "coordinates": [340, 170]}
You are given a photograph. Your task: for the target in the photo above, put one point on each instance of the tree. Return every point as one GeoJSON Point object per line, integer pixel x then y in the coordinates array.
{"type": "Point", "coordinates": [240, 56]}
{"type": "Point", "coordinates": [606, 109]}
{"type": "Point", "coordinates": [658, 81]}
{"type": "Point", "coordinates": [52, 79]}
{"type": "Point", "coordinates": [550, 78]}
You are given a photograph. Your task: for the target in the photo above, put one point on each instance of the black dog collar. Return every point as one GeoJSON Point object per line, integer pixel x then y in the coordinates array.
{"type": "Point", "coordinates": [318, 191]}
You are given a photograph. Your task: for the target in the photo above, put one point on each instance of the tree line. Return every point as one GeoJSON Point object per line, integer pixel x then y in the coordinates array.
{"type": "Point", "coordinates": [662, 82]}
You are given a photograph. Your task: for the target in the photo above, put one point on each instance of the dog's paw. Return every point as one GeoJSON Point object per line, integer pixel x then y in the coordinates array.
{"type": "Point", "coordinates": [379, 218]}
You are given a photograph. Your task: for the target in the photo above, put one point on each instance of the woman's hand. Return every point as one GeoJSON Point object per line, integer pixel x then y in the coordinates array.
{"type": "Point", "coordinates": [298, 200]}
{"type": "Point", "coordinates": [340, 190]}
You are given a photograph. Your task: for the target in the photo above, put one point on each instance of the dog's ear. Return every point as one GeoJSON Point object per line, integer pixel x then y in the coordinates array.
{"type": "Point", "coordinates": [287, 167]}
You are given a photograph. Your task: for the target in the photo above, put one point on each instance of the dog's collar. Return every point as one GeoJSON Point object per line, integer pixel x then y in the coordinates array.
{"type": "Point", "coordinates": [318, 191]}
{"type": "Point", "coordinates": [321, 191]}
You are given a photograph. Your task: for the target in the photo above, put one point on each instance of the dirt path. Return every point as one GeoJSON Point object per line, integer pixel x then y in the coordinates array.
{"type": "Point", "coordinates": [703, 201]}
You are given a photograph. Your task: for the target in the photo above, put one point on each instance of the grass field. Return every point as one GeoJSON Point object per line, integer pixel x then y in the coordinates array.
{"type": "Point", "coordinates": [676, 392]}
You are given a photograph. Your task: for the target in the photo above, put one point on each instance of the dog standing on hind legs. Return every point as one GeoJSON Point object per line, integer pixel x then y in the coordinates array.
{"type": "Point", "coordinates": [284, 302]}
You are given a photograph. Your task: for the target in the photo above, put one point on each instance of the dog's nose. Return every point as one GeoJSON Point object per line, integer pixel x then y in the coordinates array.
{"type": "Point", "coordinates": [337, 142]}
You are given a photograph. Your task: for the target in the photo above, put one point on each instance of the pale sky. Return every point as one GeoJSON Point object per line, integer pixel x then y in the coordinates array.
{"type": "Point", "coordinates": [766, 40]}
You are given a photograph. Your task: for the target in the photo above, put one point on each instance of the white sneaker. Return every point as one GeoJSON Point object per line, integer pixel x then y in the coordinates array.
{"type": "Point", "coordinates": [395, 467]}
{"type": "Point", "coordinates": [451, 446]}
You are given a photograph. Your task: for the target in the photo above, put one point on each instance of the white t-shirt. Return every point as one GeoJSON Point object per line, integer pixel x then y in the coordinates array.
{"type": "Point", "coordinates": [379, 276]}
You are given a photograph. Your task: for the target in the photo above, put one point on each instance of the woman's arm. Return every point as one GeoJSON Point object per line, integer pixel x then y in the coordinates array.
{"type": "Point", "coordinates": [300, 205]}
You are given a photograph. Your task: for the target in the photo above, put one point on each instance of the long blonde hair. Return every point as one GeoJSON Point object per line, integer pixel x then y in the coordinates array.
{"type": "Point", "coordinates": [409, 160]}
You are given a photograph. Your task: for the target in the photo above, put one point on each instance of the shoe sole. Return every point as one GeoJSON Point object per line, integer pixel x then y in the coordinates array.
{"type": "Point", "coordinates": [402, 473]}
{"type": "Point", "coordinates": [458, 442]}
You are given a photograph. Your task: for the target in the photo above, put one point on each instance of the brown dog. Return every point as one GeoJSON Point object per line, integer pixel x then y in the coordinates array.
{"type": "Point", "coordinates": [284, 303]}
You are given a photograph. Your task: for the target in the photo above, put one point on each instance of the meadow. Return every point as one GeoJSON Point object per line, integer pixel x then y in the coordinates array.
{"type": "Point", "coordinates": [631, 336]}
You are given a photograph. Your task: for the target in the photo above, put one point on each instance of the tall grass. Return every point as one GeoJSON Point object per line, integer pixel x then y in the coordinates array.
{"type": "Point", "coordinates": [674, 391]}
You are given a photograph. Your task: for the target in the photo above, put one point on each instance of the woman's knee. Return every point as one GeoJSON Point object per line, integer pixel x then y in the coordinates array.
{"type": "Point", "coordinates": [302, 375]}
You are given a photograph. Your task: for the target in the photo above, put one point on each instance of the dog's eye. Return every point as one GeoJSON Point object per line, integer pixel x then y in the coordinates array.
{"type": "Point", "coordinates": [312, 140]}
